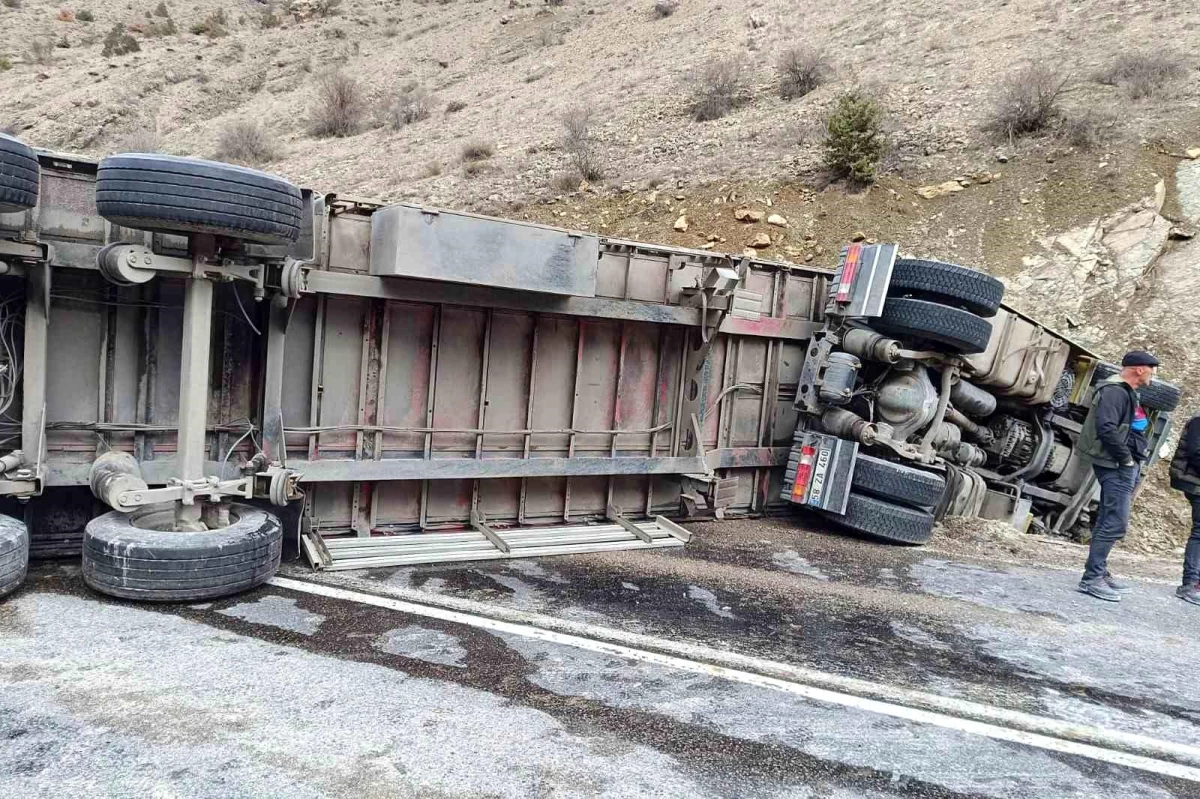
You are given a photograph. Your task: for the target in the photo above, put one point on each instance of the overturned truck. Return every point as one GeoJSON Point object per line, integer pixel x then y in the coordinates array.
{"type": "Point", "coordinates": [199, 360]}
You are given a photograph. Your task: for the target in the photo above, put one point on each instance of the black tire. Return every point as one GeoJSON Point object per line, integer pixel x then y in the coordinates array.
{"type": "Point", "coordinates": [189, 195]}
{"type": "Point", "coordinates": [19, 175]}
{"type": "Point", "coordinates": [56, 522]}
{"type": "Point", "coordinates": [921, 320]}
{"type": "Point", "coordinates": [1158, 396]}
{"type": "Point", "coordinates": [883, 520]}
{"type": "Point", "coordinates": [123, 560]}
{"type": "Point", "coordinates": [897, 482]}
{"type": "Point", "coordinates": [14, 554]}
{"type": "Point", "coordinates": [949, 284]}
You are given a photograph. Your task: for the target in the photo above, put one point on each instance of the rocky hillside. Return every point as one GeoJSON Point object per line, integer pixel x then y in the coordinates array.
{"type": "Point", "coordinates": [462, 103]}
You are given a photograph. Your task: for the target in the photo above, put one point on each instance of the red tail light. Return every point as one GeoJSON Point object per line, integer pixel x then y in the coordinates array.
{"type": "Point", "coordinates": [849, 270]}
{"type": "Point", "coordinates": [803, 473]}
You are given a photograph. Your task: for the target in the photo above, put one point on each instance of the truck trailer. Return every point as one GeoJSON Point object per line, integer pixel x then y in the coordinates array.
{"type": "Point", "coordinates": [200, 360]}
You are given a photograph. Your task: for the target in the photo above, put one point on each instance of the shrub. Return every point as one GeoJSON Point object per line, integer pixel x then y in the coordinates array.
{"type": "Point", "coordinates": [1027, 101]}
{"type": "Point", "coordinates": [139, 141]}
{"type": "Point", "coordinates": [854, 140]}
{"type": "Point", "coordinates": [548, 37]}
{"type": "Point", "coordinates": [411, 105]}
{"type": "Point", "coordinates": [1142, 74]}
{"type": "Point", "coordinates": [268, 20]}
{"type": "Point", "coordinates": [801, 69]}
{"type": "Point", "coordinates": [118, 42]}
{"type": "Point", "coordinates": [565, 182]}
{"type": "Point", "coordinates": [213, 26]}
{"type": "Point", "coordinates": [1087, 130]}
{"type": "Point", "coordinates": [579, 143]}
{"type": "Point", "coordinates": [5, 63]}
{"type": "Point", "coordinates": [246, 142]}
{"type": "Point", "coordinates": [431, 170]}
{"type": "Point", "coordinates": [718, 89]}
{"type": "Point", "coordinates": [665, 8]}
{"type": "Point", "coordinates": [339, 108]}
{"type": "Point", "coordinates": [454, 106]}
{"type": "Point", "coordinates": [63, 43]}
{"type": "Point", "coordinates": [65, 15]}
{"type": "Point", "coordinates": [164, 27]}
{"type": "Point", "coordinates": [86, 15]}
{"type": "Point", "coordinates": [556, 3]}
{"type": "Point", "coordinates": [10, 3]}
{"type": "Point", "coordinates": [326, 8]}
{"type": "Point", "coordinates": [41, 51]}
{"type": "Point", "coordinates": [161, 9]}
{"type": "Point", "coordinates": [478, 150]}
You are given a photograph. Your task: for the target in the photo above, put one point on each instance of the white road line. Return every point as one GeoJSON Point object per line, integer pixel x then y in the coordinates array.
{"type": "Point", "coordinates": [1116, 756]}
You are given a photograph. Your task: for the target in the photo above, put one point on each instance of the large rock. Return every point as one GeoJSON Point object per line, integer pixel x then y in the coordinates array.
{"type": "Point", "coordinates": [746, 215]}
{"type": "Point", "coordinates": [1187, 184]}
{"type": "Point", "coordinates": [940, 190]}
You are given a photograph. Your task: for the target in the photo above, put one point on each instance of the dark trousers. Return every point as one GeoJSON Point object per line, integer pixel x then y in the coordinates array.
{"type": "Point", "coordinates": [1191, 554]}
{"type": "Point", "coordinates": [1112, 517]}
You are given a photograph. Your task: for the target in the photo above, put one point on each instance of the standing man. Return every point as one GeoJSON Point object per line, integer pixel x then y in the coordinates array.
{"type": "Point", "coordinates": [1185, 476]}
{"type": "Point", "coordinates": [1105, 441]}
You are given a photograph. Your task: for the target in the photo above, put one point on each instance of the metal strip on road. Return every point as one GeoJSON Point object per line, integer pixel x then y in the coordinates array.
{"type": "Point", "coordinates": [1096, 743]}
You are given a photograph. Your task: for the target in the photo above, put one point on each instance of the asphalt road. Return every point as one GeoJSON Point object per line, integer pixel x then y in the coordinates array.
{"type": "Point", "coordinates": [284, 693]}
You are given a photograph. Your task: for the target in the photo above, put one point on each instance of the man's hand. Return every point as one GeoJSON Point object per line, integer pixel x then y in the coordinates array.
{"type": "Point", "coordinates": [1128, 462]}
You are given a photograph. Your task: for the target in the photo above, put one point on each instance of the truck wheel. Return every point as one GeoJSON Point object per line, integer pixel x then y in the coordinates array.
{"type": "Point", "coordinates": [56, 522]}
{"type": "Point", "coordinates": [897, 482]}
{"type": "Point", "coordinates": [1160, 396]}
{"type": "Point", "coordinates": [959, 330]}
{"type": "Point", "coordinates": [19, 175]}
{"type": "Point", "coordinates": [136, 556]}
{"type": "Point", "coordinates": [163, 192]}
{"type": "Point", "coordinates": [886, 521]}
{"type": "Point", "coordinates": [954, 285]}
{"type": "Point", "coordinates": [14, 554]}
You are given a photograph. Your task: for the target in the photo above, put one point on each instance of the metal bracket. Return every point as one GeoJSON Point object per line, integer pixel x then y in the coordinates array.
{"type": "Point", "coordinates": [615, 514]}
{"type": "Point", "coordinates": [479, 523]}
{"type": "Point", "coordinates": [133, 264]}
{"type": "Point", "coordinates": [188, 491]}
{"type": "Point", "coordinates": [282, 485]}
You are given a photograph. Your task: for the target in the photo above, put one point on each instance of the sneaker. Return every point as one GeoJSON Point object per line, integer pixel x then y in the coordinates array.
{"type": "Point", "coordinates": [1117, 585]}
{"type": "Point", "coordinates": [1099, 589]}
{"type": "Point", "coordinates": [1189, 593]}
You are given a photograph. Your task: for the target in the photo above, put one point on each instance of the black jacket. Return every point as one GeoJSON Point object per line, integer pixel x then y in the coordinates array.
{"type": "Point", "coordinates": [1185, 466]}
{"type": "Point", "coordinates": [1105, 436]}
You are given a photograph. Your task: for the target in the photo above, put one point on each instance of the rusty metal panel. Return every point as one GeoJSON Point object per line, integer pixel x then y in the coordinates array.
{"type": "Point", "coordinates": [414, 242]}
{"type": "Point", "coordinates": [406, 379]}
{"type": "Point", "coordinates": [506, 403]}
{"type": "Point", "coordinates": [341, 362]}
{"type": "Point", "coordinates": [554, 376]}
{"type": "Point", "coordinates": [595, 399]}
{"type": "Point", "coordinates": [458, 379]}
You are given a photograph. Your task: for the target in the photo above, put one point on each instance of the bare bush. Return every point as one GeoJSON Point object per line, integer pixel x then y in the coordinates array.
{"type": "Point", "coordinates": [65, 15]}
{"type": "Point", "coordinates": [339, 108]}
{"type": "Point", "coordinates": [11, 3]}
{"type": "Point", "coordinates": [801, 69]}
{"type": "Point", "coordinates": [246, 142]}
{"type": "Point", "coordinates": [565, 182]}
{"type": "Point", "coordinates": [161, 9]}
{"type": "Point", "coordinates": [139, 141]}
{"type": "Point", "coordinates": [478, 150]}
{"type": "Point", "coordinates": [578, 142]}
{"type": "Point", "coordinates": [411, 105]}
{"type": "Point", "coordinates": [41, 51]}
{"type": "Point", "coordinates": [269, 19]}
{"type": "Point", "coordinates": [1141, 75]}
{"type": "Point", "coordinates": [854, 139]}
{"type": "Point", "coordinates": [431, 170]}
{"type": "Point", "coordinates": [454, 106]}
{"type": "Point", "coordinates": [326, 8]}
{"type": "Point", "coordinates": [718, 88]}
{"type": "Point", "coordinates": [161, 27]}
{"type": "Point", "coordinates": [665, 8]}
{"type": "Point", "coordinates": [86, 15]}
{"type": "Point", "coordinates": [1028, 101]}
{"type": "Point", "coordinates": [118, 42]}
{"type": "Point", "coordinates": [1087, 130]}
{"type": "Point", "coordinates": [548, 37]}
{"type": "Point", "coordinates": [214, 26]}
